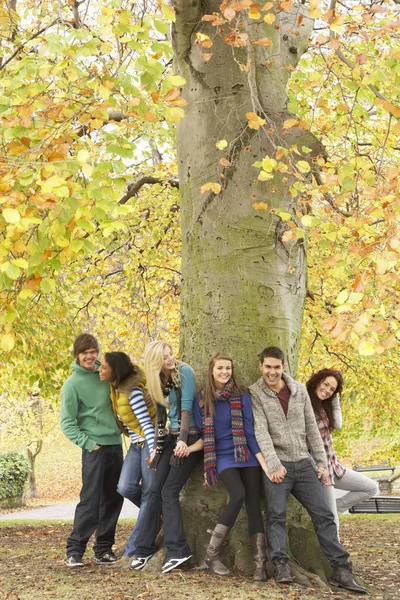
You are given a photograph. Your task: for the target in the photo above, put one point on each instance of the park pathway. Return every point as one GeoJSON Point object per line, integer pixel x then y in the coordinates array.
{"type": "Point", "coordinates": [61, 512]}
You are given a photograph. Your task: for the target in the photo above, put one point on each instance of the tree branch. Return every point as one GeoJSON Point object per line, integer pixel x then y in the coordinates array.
{"type": "Point", "coordinates": [133, 188]}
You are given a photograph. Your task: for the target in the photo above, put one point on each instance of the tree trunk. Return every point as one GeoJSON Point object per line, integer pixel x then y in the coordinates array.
{"type": "Point", "coordinates": [243, 287]}
{"type": "Point", "coordinates": [32, 454]}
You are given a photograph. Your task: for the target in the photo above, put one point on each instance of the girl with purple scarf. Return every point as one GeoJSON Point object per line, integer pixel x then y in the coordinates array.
{"type": "Point", "coordinates": [223, 413]}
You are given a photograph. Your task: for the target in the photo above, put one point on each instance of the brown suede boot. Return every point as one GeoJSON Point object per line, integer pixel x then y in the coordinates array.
{"type": "Point", "coordinates": [342, 576]}
{"type": "Point", "coordinates": [260, 556]}
{"type": "Point", "coordinates": [213, 550]}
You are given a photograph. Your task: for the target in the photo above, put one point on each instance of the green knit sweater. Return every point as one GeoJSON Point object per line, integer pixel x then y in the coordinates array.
{"type": "Point", "coordinates": [87, 416]}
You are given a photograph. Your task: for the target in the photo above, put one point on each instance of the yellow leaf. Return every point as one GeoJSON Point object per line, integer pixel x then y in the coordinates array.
{"type": "Point", "coordinates": [151, 117]}
{"type": "Point", "coordinates": [254, 13]}
{"type": "Point", "coordinates": [216, 188]}
{"type": "Point", "coordinates": [11, 215]}
{"type": "Point", "coordinates": [221, 144]}
{"type": "Point", "coordinates": [83, 156]}
{"type": "Point", "coordinates": [269, 18]}
{"type": "Point", "coordinates": [25, 294]}
{"type": "Point", "coordinates": [168, 12]}
{"type": "Point", "coordinates": [7, 342]}
{"type": "Point", "coordinates": [254, 121]}
{"type": "Point", "coordinates": [366, 348]}
{"type": "Point", "coordinates": [260, 206]}
{"type": "Point", "coordinates": [303, 166]}
{"type": "Point", "coordinates": [290, 123]}
{"type": "Point", "coordinates": [211, 185]}
{"type": "Point", "coordinates": [267, 6]}
{"type": "Point", "coordinates": [176, 80]}
{"type": "Point", "coordinates": [173, 114]}
{"type": "Point", "coordinates": [342, 297]}
{"type": "Point", "coordinates": [264, 176]}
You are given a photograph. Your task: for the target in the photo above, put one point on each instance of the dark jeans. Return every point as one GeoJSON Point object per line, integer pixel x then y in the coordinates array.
{"type": "Point", "coordinates": [100, 503]}
{"type": "Point", "coordinates": [301, 480]}
{"type": "Point", "coordinates": [243, 486]}
{"type": "Point", "coordinates": [167, 484]}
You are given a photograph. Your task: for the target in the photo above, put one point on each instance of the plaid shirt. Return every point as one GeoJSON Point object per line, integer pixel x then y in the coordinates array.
{"type": "Point", "coordinates": [334, 466]}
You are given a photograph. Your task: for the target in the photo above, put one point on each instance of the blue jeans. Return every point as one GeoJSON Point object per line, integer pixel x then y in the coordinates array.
{"type": "Point", "coordinates": [168, 482]}
{"type": "Point", "coordinates": [135, 484]}
{"type": "Point", "coordinates": [301, 480]}
{"type": "Point", "coordinates": [100, 503]}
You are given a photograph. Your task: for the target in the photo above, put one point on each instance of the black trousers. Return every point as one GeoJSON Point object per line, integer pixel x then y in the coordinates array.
{"type": "Point", "coordinates": [100, 503]}
{"type": "Point", "coordinates": [243, 485]}
{"type": "Point", "coordinates": [167, 484]}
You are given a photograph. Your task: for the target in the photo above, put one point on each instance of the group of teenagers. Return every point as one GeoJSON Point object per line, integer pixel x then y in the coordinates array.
{"type": "Point", "coordinates": [277, 434]}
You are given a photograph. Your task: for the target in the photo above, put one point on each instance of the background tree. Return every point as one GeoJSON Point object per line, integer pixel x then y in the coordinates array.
{"type": "Point", "coordinates": [272, 156]}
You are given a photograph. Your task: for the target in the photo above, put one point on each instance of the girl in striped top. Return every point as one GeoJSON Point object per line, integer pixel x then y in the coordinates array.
{"type": "Point", "coordinates": [136, 420]}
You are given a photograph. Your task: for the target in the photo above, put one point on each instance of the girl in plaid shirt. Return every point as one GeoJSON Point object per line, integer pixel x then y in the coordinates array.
{"type": "Point", "coordinates": [324, 389]}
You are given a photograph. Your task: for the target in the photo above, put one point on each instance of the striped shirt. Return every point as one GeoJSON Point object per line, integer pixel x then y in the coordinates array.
{"type": "Point", "coordinates": [138, 406]}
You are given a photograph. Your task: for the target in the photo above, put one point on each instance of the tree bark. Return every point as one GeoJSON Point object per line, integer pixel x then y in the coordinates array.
{"type": "Point", "coordinates": [243, 288]}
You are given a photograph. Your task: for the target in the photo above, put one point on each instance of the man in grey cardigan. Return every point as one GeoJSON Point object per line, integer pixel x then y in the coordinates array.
{"type": "Point", "coordinates": [287, 433]}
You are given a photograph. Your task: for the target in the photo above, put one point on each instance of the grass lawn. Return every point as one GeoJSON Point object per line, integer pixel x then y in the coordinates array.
{"type": "Point", "coordinates": [32, 568]}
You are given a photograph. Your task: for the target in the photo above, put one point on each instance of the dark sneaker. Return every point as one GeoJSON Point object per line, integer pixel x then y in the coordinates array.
{"type": "Point", "coordinates": [282, 573]}
{"type": "Point", "coordinates": [74, 561]}
{"type": "Point", "coordinates": [173, 563]}
{"type": "Point", "coordinates": [139, 562]}
{"type": "Point", "coordinates": [108, 558]}
{"type": "Point", "coordinates": [342, 576]}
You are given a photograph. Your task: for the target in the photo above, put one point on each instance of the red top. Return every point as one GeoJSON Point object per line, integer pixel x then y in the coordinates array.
{"type": "Point", "coordinates": [283, 397]}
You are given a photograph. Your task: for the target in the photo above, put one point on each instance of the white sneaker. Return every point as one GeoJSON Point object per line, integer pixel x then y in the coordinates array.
{"type": "Point", "coordinates": [172, 563]}
{"type": "Point", "coordinates": [139, 562]}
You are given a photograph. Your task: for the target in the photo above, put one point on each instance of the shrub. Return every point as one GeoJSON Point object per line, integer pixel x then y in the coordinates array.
{"type": "Point", "coordinates": [14, 469]}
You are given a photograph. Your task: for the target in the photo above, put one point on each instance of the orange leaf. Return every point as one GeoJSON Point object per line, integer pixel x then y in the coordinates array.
{"type": "Point", "coordinates": [264, 42]}
{"type": "Point", "coordinates": [150, 116]}
{"type": "Point", "coordinates": [260, 206]}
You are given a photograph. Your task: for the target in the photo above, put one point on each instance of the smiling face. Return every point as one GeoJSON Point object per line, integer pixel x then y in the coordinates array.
{"type": "Point", "coordinates": [222, 372]}
{"type": "Point", "coordinates": [87, 359]}
{"type": "Point", "coordinates": [326, 388]}
{"type": "Point", "coordinates": [105, 371]}
{"type": "Point", "coordinates": [271, 369]}
{"type": "Point", "coordinates": [169, 360]}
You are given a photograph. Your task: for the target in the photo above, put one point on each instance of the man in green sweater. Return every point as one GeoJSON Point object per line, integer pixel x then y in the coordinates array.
{"type": "Point", "coordinates": [87, 419]}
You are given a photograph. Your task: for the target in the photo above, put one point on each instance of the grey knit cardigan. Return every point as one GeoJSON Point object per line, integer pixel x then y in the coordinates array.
{"type": "Point", "coordinates": [289, 438]}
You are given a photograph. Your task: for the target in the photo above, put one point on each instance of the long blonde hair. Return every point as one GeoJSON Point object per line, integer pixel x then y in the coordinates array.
{"type": "Point", "coordinates": [153, 362]}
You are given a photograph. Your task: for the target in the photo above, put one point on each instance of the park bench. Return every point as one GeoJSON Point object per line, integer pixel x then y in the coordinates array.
{"type": "Point", "coordinates": [383, 466]}
{"type": "Point", "coordinates": [378, 504]}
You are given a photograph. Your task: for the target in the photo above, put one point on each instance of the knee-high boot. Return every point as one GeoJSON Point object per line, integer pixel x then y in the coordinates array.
{"type": "Point", "coordinates": [260, 556]}
{"type": "Point", "coordinates": [213, 550]}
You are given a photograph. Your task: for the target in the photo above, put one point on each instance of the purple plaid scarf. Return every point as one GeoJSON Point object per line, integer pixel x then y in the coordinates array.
{"type": "Point", "coordinates": [241, 452]}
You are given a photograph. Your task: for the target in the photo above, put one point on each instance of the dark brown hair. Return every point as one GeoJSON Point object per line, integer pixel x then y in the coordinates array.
{"type": "Point", "coordinates": [312, 385]}
{"type": "Point", "coordinates": [272, 352]}
{"type": "Point", "coordinates": [85, 341]}
{"type": "Point", "coordinates": [121, 367]}
{"type": "Point", "coordinates": [210, 391]}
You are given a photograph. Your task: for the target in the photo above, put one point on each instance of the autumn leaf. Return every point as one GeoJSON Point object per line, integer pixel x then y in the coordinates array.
{"type": "Point", "coordinates": [221, 144]}
{"type": "Point", "coordinates": [260, 206]}
{"type": "Point", "coordinates": [211, 185]}
{"type": "Point", "coordinates": [254, 121]}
